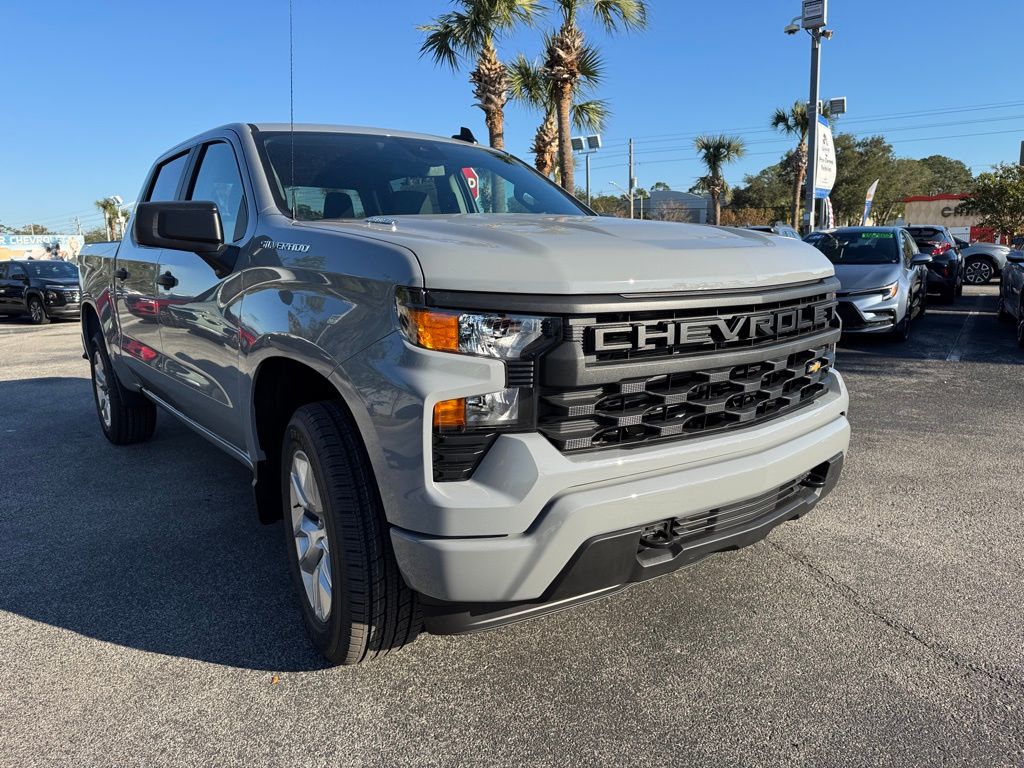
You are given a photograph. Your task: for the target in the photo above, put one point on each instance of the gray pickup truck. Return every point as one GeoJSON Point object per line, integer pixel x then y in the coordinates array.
{"type": "Point", "coordinates": [470, 399]}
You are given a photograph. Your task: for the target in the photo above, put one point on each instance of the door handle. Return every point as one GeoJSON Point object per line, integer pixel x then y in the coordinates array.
{"type": "Point", "coordinates": [167, 280]}
{"type": "Point", "coordinates": [121, 274]}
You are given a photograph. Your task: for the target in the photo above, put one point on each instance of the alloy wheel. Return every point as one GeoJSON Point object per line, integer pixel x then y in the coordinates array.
{"type": "Point", "coordinates": [36, 311]}
{"type": "Point", "coordinates": [99, 383]}
{"type": "Point", "coordinates": [309, 531]}
{"type": "Point", "coordinates": [978, 272]}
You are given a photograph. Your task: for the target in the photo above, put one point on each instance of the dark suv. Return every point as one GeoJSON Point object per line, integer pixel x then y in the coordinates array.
{"type": "Point", "coordinates": [946, 272]}
{"type": "Point", "coordinates": [41, 289]}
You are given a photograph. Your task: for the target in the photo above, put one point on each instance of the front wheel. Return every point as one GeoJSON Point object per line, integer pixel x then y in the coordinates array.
{"type": "Point", "coordinates": [978, 271]}
{"type": "Point", "coordinates": [355, 604]}
{"type": "Point", "coordinates": [125, 417]}
{"type": "Point", "coordinates": [1001, 314]}
{"type": "Point", "coordinates": [1020, 331]}
{"type": "Point", "coordinates": [902, 330]}
{"type": "Point", "coordinates": [37, 312]}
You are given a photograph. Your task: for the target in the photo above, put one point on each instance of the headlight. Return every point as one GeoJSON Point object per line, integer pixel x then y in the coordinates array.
{"type": "Point", "coordinates": [887, 291]}
{"type": "Point", "coordinates": [501, 336]}
{"type": "Point", "coordinates": [475, 420]}
{"type": "Point", "coordinates": [890, 290]}
{"type": "Point", "coordinates": [51, 295]}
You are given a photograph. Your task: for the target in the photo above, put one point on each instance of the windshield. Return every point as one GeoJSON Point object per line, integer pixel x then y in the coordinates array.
{"type": "Point", "coordinates": [354, 176]}
{"type": "Point", "coordinates": [856, 247]}
{"type": "Point", "coordinates": [52, 269]}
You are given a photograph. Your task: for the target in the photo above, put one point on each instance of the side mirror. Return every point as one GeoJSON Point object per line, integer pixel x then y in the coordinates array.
{"type": "Point", "coordinates": [1017, 257]}
{"type": "Point", "coordinates": [184, 226]}
{"type": "Point", "coordinates": [920, 260]}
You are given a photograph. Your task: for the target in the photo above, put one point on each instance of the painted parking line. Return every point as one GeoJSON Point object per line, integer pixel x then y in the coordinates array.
{"type": "Point", "coordinates": [960, 345]}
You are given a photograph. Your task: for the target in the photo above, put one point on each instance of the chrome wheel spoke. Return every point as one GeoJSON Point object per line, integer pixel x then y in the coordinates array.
{"type": "Point", "coordinates": [309, 533]}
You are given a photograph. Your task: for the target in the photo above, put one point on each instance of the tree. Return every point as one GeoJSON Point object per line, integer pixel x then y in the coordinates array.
{"type": "Point", "coordinates": [529, 86]}
{"type": "Point", "coordinates": [949, 176]}
{"type": "Point", "coordinates": [795, 122]}
{"type": "Point", "coordinates": [562, 62]}
{"type": "Point", "coordinates": [716, 152]}
{"type": "Point", "coordinates": [660, 186]}
{"type": "Point", "coordinates": [767, 192]}
{"type": "Point", "coordinates": [998, 197]}
{"type": "Point", "coordinates": [114, 217]}
{"type": "Point", "coordinates": [472, 31]}
{"type": "Point", "coordinates": [97, 235]}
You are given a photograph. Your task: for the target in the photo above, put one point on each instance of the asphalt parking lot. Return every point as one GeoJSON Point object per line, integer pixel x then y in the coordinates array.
{"type": "Point", "coordinates": [146, 617]}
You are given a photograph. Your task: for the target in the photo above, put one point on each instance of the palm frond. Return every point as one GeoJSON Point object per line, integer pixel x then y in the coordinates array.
{"type": "Point", "coordinates": [527, 84]}
{"type": "Point", "coordinates": [591, 66]}
{"type": "Point", "coordinates": [590, 115]}
{"type": "Point", "coordinates": [628, 15]}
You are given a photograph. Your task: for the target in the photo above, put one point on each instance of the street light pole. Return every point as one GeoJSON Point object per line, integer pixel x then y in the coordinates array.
{"type": "Point", "coordinates": [812, 126]}
{"type": "Point", "coordinates": [628, 193]}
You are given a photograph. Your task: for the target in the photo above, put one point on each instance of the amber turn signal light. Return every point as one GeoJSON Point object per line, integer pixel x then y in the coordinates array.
{"type": "Point", "coordinates": [450, 414]}
{"type": "Point", "coordinates": [435, 330]}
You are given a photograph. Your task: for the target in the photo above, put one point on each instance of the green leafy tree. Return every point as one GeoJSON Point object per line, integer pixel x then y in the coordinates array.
{"type": "Point", "coordinates": [528, 85]}
{"type": "Point", "coordinates": [562, 65]}
{"type": "Point", "coordinates": [472, 31]}
{"type": "Point", "coordinates": [767, 192]}
{"type": "Point", "coordinates": [97, 235]}
{"type": "Point", "coordinates": [114, 217]}
{"type": "Point", "coordinates": [949, 176]}
{"type": "Point", "coordinates": [660, 186]}
{"type": "Point", "coordinates": [998, 197]}
{"type": "Point", "coordinates": [795, 122]}
{"type": "Point", "coordinates": [715, 152]}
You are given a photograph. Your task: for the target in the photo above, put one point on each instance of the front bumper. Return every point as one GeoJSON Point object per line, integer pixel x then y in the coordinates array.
{"type": "Point", "coordinates": [868, 313]}
{"type": "Point", "coordinates": [608, 563]}
{"type": "Point", "coordinates": [556, 504]}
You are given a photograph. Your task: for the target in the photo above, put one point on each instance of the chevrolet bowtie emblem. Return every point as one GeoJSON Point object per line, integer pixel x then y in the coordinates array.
{"type": "Point", "coordinates": [814, 366]}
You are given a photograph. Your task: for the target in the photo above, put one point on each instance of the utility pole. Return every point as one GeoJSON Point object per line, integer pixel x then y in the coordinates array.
{"type": "Point", "coordinates": [78, 224]}
{"type": "Point", "coordinates": [812, 126]}
{"type": "Point", "coordinates": [632, 180]}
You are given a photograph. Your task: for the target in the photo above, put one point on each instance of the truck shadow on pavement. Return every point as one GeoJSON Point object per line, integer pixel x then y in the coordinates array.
{"type": "Point", "coordinates": [155, 547]}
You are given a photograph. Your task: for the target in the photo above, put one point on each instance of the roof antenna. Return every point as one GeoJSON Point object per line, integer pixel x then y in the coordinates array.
{"type": "Point", "coordinates": [465, 135]}
{"type": "Point", "coordinates": [291, 105]}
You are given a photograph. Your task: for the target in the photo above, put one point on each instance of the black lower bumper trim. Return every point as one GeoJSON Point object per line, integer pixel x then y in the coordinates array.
{"type": "Point", "coordinates": [611, 562]}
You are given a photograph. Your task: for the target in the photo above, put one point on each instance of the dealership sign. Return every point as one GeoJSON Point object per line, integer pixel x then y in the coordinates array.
{"type": "Point", "coordinates": [825, 159]}
{"type": "Point", "coordinates": [40, 246]}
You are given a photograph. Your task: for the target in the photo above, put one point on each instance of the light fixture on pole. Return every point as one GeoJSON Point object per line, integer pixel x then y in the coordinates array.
{"type": "Point", "coordinates": [586, 145]}
{"type": "Point", "coordinates": [813, 19]}
{"type": "Point", "coordinates": [628, 193]}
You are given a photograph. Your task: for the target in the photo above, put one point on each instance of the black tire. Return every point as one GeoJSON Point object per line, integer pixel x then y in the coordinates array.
{"type": "Point", "coordinates": [960, 288]}
{"type": "Point", "coordinates": [36, 311]}
{"type": "Point", "coordinates": [902, 330]}
{"type": "Point", "coordinates": [979, 271]}
{"type": "Point", "coordinates": [1001, 314]}
{"type": "Point", "coordinates": [1020, 331]}
{"type": "Point", "coordinates": [371, 611]}
{"type": "Point", "coordinates": [132, 418]}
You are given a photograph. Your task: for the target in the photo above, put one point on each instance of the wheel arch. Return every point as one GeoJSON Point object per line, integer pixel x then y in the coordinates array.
{"type": "Point", "coordinates": [280, 386]}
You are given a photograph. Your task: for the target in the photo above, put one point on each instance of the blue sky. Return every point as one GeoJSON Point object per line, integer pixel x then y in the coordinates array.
{"type": "Point", "coordinates": [96, 90]}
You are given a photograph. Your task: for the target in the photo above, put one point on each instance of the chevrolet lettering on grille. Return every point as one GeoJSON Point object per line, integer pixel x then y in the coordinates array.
{"type": "Point", "coordinates": [761, 326]}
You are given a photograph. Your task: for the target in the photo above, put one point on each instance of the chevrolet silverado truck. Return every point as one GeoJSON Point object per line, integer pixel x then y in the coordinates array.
{"type": "Point", "coordinates": [470, 399]}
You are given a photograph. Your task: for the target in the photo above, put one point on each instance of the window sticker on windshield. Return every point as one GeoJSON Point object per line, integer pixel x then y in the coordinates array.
{"type": "Point", "coordinates": [876, 235]}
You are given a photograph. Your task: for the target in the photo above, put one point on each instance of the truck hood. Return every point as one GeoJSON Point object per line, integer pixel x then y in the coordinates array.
{"type": "Point", "coordinates": [524, 253]}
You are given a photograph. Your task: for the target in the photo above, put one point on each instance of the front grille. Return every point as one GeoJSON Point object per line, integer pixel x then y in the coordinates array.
{"type": "Point", "coordinates": [851, 317]}
{"type": "Point", "coordinates": [683, 530]}
{"type": "Point", "coordinates": [616, 336]}
{"type": "Point", "coordinates": [684, 404]}
{"type": "Point", "coordinates": [72, 297]}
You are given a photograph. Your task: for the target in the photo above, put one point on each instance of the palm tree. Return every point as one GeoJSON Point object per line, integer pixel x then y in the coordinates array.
{"type": "Point", "coordinates": [715, 152]}
{"type": "Point", "coordinates": [113, 217]}
{"type": "Point", "coordinates": [562, 62]}
{"type": "Point", "coordinates": [471, 32]}
{"type": "Point", "coordinates": [794, 122]}
{"type": "Point", "coordinates": [528, 86]}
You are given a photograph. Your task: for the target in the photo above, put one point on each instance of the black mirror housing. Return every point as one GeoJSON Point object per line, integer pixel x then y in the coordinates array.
{"type": "Point", "coordinates": [192, 225]}
{"type": "Point", "coordinates": [1017, 257]}
{"type": "Point", "coordinates": [920, 260]}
